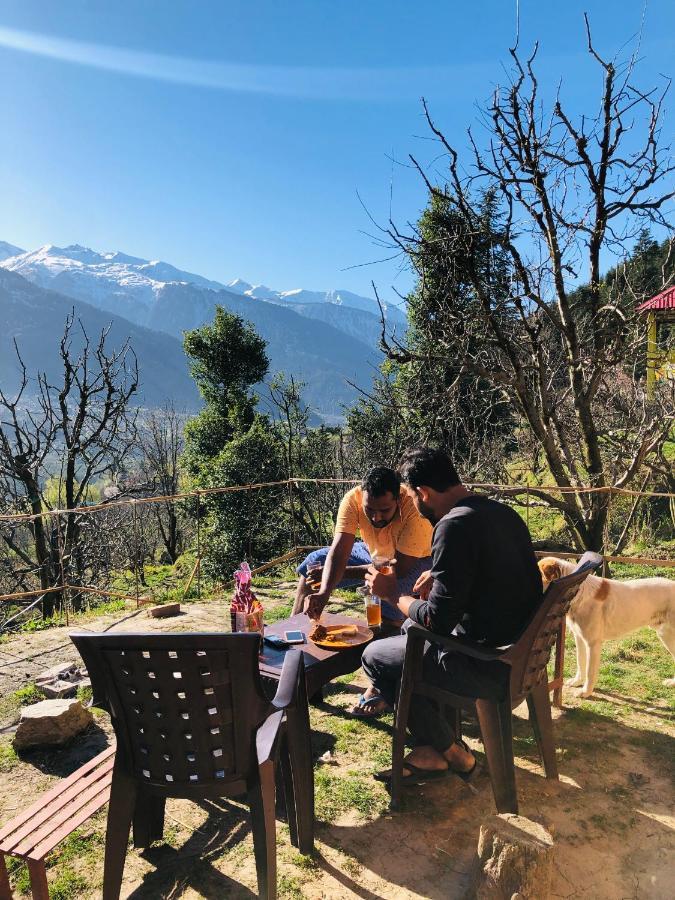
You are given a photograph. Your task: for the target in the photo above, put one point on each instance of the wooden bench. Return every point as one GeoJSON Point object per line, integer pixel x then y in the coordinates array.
{"type": "Point", "coordinates": [35, 832]}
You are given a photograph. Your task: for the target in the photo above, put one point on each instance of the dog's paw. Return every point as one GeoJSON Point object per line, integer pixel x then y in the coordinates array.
{"type": "Point", "coordinates": [669, 682]}
{"type": "Point", "coordinates": [576, 681]}
{"type": "Point", "coordinates": [584, 692]}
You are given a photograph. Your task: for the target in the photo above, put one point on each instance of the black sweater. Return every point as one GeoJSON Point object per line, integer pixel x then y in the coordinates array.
{"type": "Point", "coordinates": [485, 574]}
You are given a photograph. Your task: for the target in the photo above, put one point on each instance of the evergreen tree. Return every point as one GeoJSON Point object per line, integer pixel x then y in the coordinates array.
{"type": "Point", "coordinates": [420, 397]}
{"type": "Point", "coordinates": [230, 443]}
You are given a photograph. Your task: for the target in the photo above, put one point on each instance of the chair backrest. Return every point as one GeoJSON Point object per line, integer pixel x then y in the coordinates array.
{"type": "Point", "coordinates": [529, 656]}
{"type": "Point", "coordinates": [184, 706]}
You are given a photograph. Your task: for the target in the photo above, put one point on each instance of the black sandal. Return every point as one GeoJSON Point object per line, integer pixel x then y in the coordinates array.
{"type": "Point", "coordinates": [417, 775]}
{"type": "Point", "coordinates": [465, 776]}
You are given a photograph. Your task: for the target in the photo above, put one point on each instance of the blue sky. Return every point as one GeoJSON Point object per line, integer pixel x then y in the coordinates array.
{"type": "Point", "coordinates": [234, 138]}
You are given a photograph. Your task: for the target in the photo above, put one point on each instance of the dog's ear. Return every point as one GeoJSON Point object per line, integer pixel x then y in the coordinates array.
{"type": "Point", "coordinates": [550, 570]}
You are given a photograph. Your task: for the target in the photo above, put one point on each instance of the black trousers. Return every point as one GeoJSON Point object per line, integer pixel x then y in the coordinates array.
{"type": "Point", "coordinates": [383, 664]}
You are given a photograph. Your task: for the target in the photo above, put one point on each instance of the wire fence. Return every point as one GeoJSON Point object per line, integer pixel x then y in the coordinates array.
{"type": "Point", "coordinates": [57, 559]}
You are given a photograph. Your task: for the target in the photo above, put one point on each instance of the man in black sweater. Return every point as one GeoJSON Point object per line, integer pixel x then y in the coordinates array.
{"type": "Point", "coordinates": [484, 583]}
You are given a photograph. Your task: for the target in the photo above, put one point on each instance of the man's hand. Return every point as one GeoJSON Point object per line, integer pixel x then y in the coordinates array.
{"type": "Point", "coordinates": [313, 578]}
{"type": "Point", "coordinates": [383, 586]}
{"type": "Point", "coordinates": [424, 584]}
{"type": "Point", "coordinates": [315, 603]}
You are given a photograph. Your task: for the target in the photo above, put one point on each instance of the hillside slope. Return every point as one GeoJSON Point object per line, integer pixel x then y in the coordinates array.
{"type": "Point", "coordinates": [35, 318]}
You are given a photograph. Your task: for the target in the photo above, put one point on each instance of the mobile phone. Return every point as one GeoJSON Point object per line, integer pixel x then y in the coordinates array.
{"type": "Point", "coordinates": [275, 640]}
{"type": "Point", "coordinates": [294, 637]}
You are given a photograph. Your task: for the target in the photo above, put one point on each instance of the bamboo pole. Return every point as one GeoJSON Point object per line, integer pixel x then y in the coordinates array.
{"type": "Point", "coordinates": [504, 488]}
{"type": "Point", "coordinates": [187, 587]}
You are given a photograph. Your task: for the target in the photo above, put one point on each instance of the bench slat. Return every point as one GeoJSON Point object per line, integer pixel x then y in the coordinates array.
{"type": "Point", "coordinates": [55, 793]}
{"type": "Point", "coordinates": [53, 812]}
{"type": "Point", "coordinates": [82, 815]}
{"type": "Point", "coordinates": [64, 816]}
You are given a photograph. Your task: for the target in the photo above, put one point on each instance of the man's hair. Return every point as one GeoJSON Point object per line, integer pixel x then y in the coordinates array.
{"type": "Point", "coordinates": [381, 480]}
{"type": "Point", "coordinates": [428, 466]}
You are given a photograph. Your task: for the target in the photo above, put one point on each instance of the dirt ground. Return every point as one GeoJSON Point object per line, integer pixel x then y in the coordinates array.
{"type": "Point", "coordinates": [612, 812]}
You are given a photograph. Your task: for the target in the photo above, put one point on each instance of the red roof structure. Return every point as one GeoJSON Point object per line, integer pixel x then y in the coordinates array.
{"type": "Point", "coordinates": [664, 300]}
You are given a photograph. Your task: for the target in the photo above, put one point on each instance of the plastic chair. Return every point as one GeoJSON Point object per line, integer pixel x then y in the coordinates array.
{"type": "Point", "coordinates": [528, 680]}
{"type": "Point", "coordinates": [192, 721]}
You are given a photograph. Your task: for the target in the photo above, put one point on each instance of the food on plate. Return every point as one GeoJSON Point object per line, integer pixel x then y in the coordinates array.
{"type": "Point", "coordinates": [335, 633]}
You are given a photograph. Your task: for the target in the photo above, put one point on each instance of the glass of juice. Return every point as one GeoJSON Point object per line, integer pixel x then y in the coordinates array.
{"type": "Point", "coordinates": [373, 611]}
{"type": "Point", "coordinates": [383, 564]}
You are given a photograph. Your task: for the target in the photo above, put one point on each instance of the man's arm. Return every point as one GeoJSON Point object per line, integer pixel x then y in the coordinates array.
{"type": "Point", "coordinates": [454, 570]}
{"type": "Point", "coordinates": [333, 572]}
{"type": "Point", "coordinates": [404, 564]}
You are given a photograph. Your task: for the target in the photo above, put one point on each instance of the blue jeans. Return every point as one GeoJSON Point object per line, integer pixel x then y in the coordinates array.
{"type": "Point", "coordinates": [360, 556]}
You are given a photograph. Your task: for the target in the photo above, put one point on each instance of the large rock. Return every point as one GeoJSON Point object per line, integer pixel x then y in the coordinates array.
{"type": "Point", "coordinates": [51, 722]}
{"type": "Point", "coordinates": [515, 857]}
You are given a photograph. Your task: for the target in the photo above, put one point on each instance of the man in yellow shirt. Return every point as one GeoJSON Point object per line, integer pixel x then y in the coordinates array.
{"type": "Point", "coordinates": [390, 527]}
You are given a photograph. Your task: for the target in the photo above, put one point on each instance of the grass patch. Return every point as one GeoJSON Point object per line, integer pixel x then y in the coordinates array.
{"type": "Point", "coordinates": [84, 694]}
{"type": "Point", "coordinates": [276, 613]}
{"type": "Point", "coordinates": [67, 885]}
{"type": "Point", "coordinates": [338, 794]}
{"type": "Point", "coordinates": [77, 845]}
{"type": "Point", "coordinates": [8, 757]}
{"type": "Point", "coordinates": [12, 703]}
{"type": "Point", "coordinates": [28, 694]}
{"type": "Point", "coordinates": [289, 887]}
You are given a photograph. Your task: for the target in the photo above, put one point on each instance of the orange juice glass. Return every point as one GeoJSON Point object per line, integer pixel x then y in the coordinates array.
{"type": "Point", "coordinates": [373, 611]}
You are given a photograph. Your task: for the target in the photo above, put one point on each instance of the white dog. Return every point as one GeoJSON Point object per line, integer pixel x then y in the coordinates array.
{"type": "Point", "coordinates": [604, 609]}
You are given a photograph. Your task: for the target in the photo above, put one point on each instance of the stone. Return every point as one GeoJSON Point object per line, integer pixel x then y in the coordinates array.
{"type": "Point", "coordinates": [515, 859]}
{"type": "Point", "coordinates": [51, 723]}
{"type": "Point", "coordinates": [62, 680]}
{"type": "Point", "coordinates": [164, 610]}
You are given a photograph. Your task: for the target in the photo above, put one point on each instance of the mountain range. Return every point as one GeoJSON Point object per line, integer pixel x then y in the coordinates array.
{"type": "Point", "coordinates": [326, 339]}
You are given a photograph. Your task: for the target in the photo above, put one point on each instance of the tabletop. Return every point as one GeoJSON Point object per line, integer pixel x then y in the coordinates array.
{"type": "Point", "coordinates": [321, 665]}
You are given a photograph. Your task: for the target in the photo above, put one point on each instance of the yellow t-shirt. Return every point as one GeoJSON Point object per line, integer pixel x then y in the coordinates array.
{"type": "Point", "coordinates": [407, 533]}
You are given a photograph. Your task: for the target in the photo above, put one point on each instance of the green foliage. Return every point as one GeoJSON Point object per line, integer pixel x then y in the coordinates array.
{"type": "Point", "coordinates": [423, 397]}
{"type": "Point", "coordinates": [249, 525]}
{"type": "Point", "coordinates": [226, 358]}
{"type": "Point", "coordinates": [230, 444]}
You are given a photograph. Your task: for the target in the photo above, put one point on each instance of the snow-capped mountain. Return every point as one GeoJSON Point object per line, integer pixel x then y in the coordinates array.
{"type": "Point", "coordinates": [394, 315]}
{"type": "Point", "coordinates": [8, 250]}
{"type": "Point", "coordinates": [123, 284]}
{"type": "Point", "coordinates": [325, 342]}
{"type": "Point", "coordinates": [132, 287]}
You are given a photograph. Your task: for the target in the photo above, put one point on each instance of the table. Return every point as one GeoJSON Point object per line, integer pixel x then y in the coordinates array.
{"type": "Point", "coordinates": [321, 666]}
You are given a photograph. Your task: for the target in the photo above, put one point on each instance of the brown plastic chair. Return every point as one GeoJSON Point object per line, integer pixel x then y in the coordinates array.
{"type": "Point", "coordinates": [528, 680]}
{"type": "Point", "coordinates": [191, 720]}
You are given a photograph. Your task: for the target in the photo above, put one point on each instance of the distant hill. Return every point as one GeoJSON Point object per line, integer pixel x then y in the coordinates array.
{"type": "Point", "coordinates": [35, 317]}
{"type": "Point", "coordinates": [326, 340]}
{"type": "Point", "coordinates": [316, 352]}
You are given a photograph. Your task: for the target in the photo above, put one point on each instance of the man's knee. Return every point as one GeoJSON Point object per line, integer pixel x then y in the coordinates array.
{"type": "Point", "coordinates": [384, 655]}
{"type": "Point", "coordinates": [316, 556]}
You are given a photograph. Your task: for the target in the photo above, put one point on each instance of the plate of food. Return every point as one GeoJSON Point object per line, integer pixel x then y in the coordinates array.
{"type": "Point", "coordinates": [340, 637]}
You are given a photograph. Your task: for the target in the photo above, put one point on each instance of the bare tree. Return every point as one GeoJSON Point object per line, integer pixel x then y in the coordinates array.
{"type": "Point", "coordinates": [161, 438]}
{"type": "Point", "coordinates": [569, 192]}
{"type": "Point", "coordinates": [74, 432]}
{"type": "Point", "coordinates": [26, 438]}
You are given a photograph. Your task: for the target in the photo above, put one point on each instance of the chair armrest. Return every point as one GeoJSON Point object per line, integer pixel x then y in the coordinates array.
{"type": "Point", "coordinates": [292, 670]}
{"type": "Point", "coordinates": [459, 645]}
{"type": "Point", "coordinates": [590, 560]}
{"type": "Point", "coordinates": [266, 736]}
